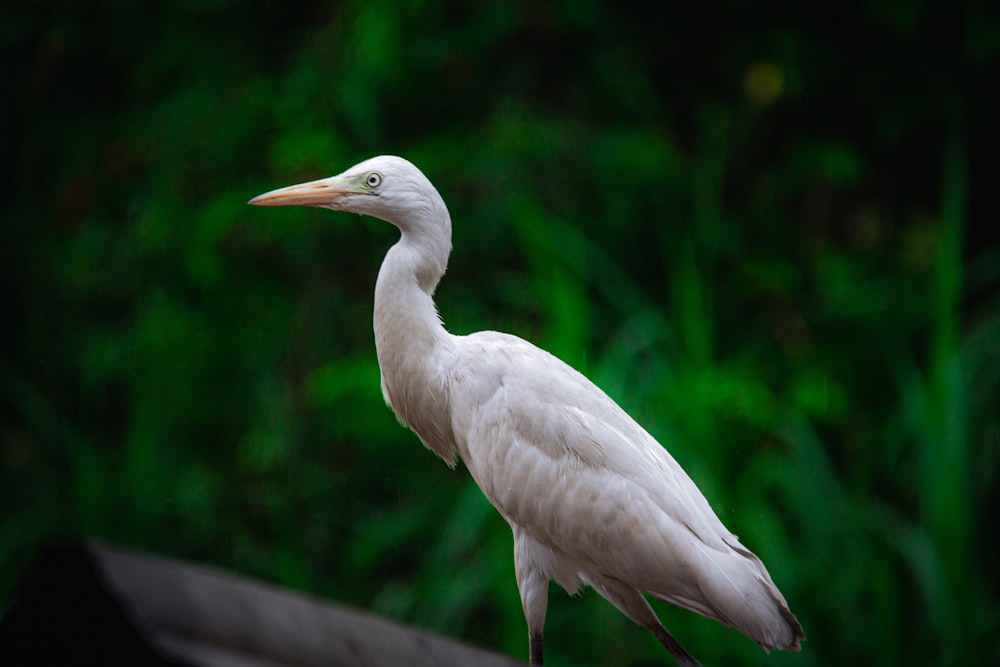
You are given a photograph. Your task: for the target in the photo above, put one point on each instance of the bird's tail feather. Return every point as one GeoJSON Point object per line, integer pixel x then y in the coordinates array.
{"type": "Point", "coordinates": [744, 597]}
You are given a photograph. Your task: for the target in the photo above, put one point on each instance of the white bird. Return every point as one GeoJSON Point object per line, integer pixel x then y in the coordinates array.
{"type": "Point", "coordinates": [590, 496]}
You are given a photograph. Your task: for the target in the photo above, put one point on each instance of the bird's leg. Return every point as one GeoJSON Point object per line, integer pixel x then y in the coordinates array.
{"type": "Point", "coordinates": [631, 603]}
{"type": "Point", "coordinates": [682, 657]}
{"type": "Point", "coordinates": [534, 588]}
{"type": "Point", "coordinates": [533, 585]}
{"type": "Point", "coordinates": [535, 648]}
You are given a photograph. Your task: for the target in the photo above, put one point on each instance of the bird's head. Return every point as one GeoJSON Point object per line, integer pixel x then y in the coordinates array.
{"type": "Point", "coordinates": [385, 187]}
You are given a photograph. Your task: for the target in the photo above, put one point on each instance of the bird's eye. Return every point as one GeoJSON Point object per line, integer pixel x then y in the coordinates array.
{"type": "Point", "coordinates": [373, 180]}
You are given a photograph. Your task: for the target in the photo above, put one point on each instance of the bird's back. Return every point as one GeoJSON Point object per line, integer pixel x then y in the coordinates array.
{"type": "Point", "coordinates": [564, 462]}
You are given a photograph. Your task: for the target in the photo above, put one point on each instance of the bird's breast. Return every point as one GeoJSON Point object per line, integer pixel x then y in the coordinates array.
{"type": "Point", "coordinates": [418, 393]}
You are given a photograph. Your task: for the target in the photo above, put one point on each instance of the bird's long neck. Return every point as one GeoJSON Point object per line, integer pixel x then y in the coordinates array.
{"type": "Point", "coordinates": [412, 343]}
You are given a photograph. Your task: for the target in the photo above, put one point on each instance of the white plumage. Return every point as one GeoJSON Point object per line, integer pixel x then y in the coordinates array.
{"type": "Point", "coordinates": [590, 496]}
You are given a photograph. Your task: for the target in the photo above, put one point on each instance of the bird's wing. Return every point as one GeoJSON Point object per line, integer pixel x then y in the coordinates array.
{"type": "Point", "coordinates": [530, 422]}
{"type": "Point", "coordinates": [560, 459]}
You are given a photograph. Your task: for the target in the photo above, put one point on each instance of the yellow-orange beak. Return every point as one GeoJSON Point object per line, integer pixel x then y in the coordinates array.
{"type": "Point", "coordinates": [324, 192]}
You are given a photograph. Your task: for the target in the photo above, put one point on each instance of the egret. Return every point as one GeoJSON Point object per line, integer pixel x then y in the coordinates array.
{"type": "Point", "coordinates": [590, 496]}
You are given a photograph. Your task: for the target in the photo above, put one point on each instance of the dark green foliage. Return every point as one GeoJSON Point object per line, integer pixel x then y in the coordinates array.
{"type": "Point", "coordinates": [767, 231]}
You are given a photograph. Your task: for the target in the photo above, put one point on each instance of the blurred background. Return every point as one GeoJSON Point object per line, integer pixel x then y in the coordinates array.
{"type": "Point", "coordinates": [765, 229]}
